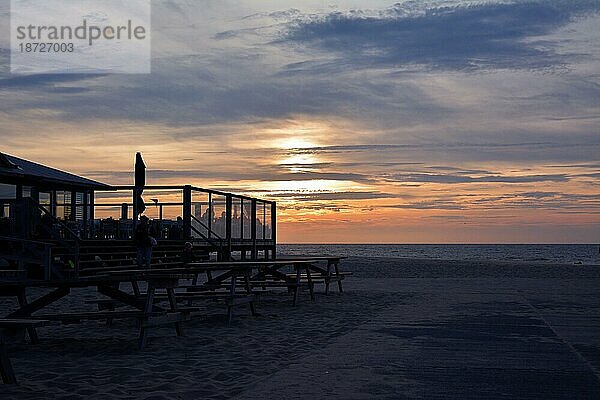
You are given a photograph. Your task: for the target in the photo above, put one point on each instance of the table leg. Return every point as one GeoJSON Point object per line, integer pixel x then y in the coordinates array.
{"type": "Point", "coordinates": [337, 274]}
{"type": "Point", "coordinates": [310, 283]}
{"type": "Point", "coordinates": [297, 287]}
{"type": "Point", "coordinates": [111, 306]}
{"type": "Point", "coordinates": [249, 291]}
{"type": "Point", "coordinates": [328, 278]}
{"type": "Point", "coordinates": [33, 336]}
{"type": "Point", "coordinates": [232, 292]}
{"type": "Point", "coordinates": [6, 369]}
{"type": "Point", "coordinates": [173, 303]}
{"type": "Point", "coordinates": [147, 310]}
{"type": "Point", "coordinates": [136, 288]}
{"type": "Point", "coordinates": [109, 320]}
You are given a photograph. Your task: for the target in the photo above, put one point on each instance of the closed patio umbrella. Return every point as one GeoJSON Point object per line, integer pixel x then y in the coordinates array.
{"type": "Point", "coordinates": [140, 182]}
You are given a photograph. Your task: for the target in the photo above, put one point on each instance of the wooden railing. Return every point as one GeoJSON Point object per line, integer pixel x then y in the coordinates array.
{"type": "Point", "coordinates": [213, 217]}
{"type": "Point", "coordinates": [22, 254]}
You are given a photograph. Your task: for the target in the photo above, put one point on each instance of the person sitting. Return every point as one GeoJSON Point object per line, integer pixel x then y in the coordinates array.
{"type": "Point", "coordinates": [187, 256]}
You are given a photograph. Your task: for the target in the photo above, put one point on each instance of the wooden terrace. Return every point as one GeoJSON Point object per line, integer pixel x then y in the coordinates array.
{"type": "Point", "coordinates": [59, 232]}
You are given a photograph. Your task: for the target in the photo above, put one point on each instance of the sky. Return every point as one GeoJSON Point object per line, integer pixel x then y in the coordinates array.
{"type": "Point", "coordinates": [367, 121]}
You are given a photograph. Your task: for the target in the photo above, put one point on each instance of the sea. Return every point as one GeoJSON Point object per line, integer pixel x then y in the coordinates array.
{"type": "Point", "coordinates": [584, 254]}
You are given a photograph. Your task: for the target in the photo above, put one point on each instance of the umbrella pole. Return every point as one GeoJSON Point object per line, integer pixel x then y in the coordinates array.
{"type": "Point", "coordinates": [135, 208]}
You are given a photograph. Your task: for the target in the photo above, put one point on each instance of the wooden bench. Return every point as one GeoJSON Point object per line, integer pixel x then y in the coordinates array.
{"type": "Point", "coordinates": [6, 369]}
{"type": "Point", "coordinates": [12, 274]}
{"type": "Point", "coordinates": [77, 317]}
{"type": "Point", "coordinates": [129, 267]}
{"type": "Point", "coordinates": [111, 304]}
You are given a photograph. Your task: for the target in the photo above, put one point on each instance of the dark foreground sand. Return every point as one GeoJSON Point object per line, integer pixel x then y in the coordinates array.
{"type": "Point", "coordinates": [403, 329]}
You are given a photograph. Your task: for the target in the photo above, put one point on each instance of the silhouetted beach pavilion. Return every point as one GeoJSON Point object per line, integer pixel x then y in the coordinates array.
{"type": "Point", "coordinates": [74, 213]}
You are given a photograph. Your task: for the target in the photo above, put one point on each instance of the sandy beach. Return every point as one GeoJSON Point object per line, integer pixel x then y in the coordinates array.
{"type": "Point", "coordinates": [445, 151]}
{"type": "Point", "coordinates": [404, 328]}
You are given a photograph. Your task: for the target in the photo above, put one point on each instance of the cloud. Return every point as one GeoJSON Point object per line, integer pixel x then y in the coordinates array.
{"type": "Point", "coordinates": [475, 147]}
{"type": "Point", "coordinates": [448, 217]}
{"type": "Point", "coordinates": [423, 146]}
{"type": "Point", "coordinates": [453, 178]}
{"type": "Point", "coordinates": [37, 81]}
{"type": "Point", "coordinates": [585, 204]}
{"type": "Point", "coordinates": [313, 206]}
{"type": "Point", "coordinates": [335, 196]}
{"type": "Point", "coordinates": [268, 174]}
{"type": "Point", "coordinates": [427, 205]}
{"type": "Point", "coordinates": [539, 195]}
{"type": "Point", "coordinates": [469, 37]}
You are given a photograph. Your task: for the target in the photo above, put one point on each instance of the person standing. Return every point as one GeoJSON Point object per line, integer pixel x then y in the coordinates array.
{"type": "Point", "coordinates": [143, 243]}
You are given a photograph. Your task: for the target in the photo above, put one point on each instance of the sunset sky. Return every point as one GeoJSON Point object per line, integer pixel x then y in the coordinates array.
{"type": "Point", "coordinates": [367, 121]}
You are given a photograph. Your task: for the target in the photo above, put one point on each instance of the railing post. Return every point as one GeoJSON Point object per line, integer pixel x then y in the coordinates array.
{"type": "Point", "coordinates": [91, 216]}
{"type": "Point", "coordinates": [134, 207]}
{"type": "Point", "coordinates": [242, 246]}
{"type": "Point", "coordinates": [53, 203]}
{"type": "Point", "coordinates": [20, 217]}
{"type": "Point", "coordinates": [23, 217]}
{"type": "Point", "coordinates": [254, 254]}
{"type": "Point", "coordinates": [122, 233]}
{"type": "Point", "coordinates": [35, 194]}
{"type": "Point", "coordinates": [242, 219]}
{"type": "Point", "coordinates": [228, 221]}
{"type": "Point", "coordinates": [274, 229]}
{"type": "Point", "coordinates": [86, 233]}
{"type": "Point", "coordinates": [187, 212]}
{"type": "Point", "coordinates": [48, 262]}
{"type": "Point", "coordinates": [210, 215]}
{"type": "Point", "coordinates": [124, 211]}
{"type": "Point", "coordinates": [73, 215]}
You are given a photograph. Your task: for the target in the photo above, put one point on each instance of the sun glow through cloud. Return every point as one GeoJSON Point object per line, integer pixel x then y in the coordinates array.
{"type": "Point", "coordinates": [290, 143]}
{"type": "Point", "coordinates": [302, 159]}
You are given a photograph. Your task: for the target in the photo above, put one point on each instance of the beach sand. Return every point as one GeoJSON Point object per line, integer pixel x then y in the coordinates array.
{"type": "Point", "coordinates": [404, 328]}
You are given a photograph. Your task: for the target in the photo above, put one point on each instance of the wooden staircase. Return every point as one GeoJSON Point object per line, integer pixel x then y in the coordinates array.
{"type": "Point", "coordinates": [98, 256]}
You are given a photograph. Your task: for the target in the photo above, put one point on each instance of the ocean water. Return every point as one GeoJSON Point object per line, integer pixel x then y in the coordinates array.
{"type": "Point", "coordinates": [586, 254]}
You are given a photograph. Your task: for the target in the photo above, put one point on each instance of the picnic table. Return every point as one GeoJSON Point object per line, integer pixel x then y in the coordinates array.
{"type": "Point", "coordinates": [144, 308]}
{"type": "Point", "coordinates": [270, 273]}
{"type": "Point", "coordinates": [331, 273]}
{"type": "Point", "coordinates": [227, 280]}
{"type": "Point", "coordinates": [262, 270]}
